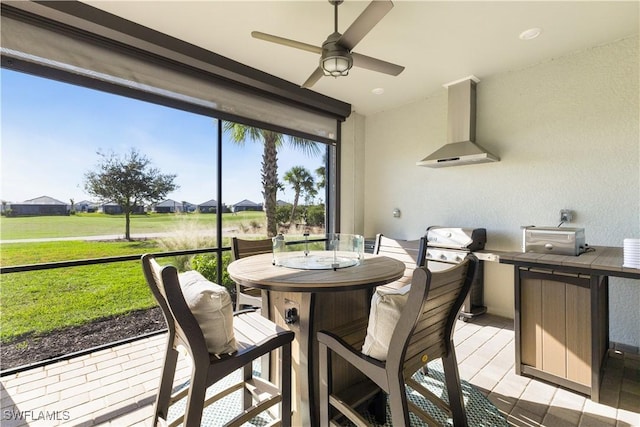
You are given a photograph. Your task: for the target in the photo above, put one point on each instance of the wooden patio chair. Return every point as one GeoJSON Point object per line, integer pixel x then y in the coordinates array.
{"type": "Point", "coordinates": [241, 248]}
{"type": "Point", "coordinates": [411, 252]}
{"type": "Point", "coordinates": [423, 332]}
{"type": "Point", "coordinates": [254, 336]}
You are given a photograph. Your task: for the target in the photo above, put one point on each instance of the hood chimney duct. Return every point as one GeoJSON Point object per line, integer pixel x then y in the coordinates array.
{"type": "Point", "coordinates": [461, 148]}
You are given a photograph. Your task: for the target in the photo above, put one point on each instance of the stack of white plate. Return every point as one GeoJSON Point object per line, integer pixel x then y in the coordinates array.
{"type": "Point", "coordinates": [631, 253]}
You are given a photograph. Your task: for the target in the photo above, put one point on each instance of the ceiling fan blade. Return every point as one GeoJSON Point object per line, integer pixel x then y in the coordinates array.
{"type": "Point", "coordinates": [364, 23]}
{"type": "Point", "coordinates": [313, 78]}
{"type": "Point", "coordinates": [374, 64]}
{"type": "Point", "coordinates": [287, 42]}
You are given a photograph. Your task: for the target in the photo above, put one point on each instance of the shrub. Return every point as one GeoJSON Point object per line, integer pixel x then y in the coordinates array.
{"type": "Point", "coordinates": [255, 225]}
{"type": "Point", "coordinates": [207, 264]}
{"type": "Point", "coordinates": [282, 214]}
{"type": "Point", "coordinates": [315, 216]}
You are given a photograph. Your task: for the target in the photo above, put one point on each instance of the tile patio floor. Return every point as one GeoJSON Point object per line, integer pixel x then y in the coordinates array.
{"type": "Point", "coordinates": [116, 387]}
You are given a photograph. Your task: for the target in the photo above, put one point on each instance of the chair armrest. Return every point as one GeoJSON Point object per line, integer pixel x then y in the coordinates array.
{"type": "Point", "coordinates": [373, 368]}
{"type": "Point", "coordinates": [335, 343]}
{"type": "Point", "coordinates": [246, 310]}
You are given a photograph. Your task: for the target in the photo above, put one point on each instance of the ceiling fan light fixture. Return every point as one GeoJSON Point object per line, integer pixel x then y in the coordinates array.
{"type": "Point", "coordinates": [336, 65]}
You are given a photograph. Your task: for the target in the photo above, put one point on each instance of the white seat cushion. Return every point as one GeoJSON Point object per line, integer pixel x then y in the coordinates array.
{"type": "Point", "coordinates": [386, 308]}
{"type": "Point", "coordinates": [211, 305]}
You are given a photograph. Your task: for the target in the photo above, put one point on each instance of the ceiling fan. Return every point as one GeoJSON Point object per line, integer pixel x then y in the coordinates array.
{"type": "Point", "coordinates": [336, 56]}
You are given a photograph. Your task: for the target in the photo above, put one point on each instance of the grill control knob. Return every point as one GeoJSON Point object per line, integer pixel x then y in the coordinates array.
{"type": "Point", "coordinates": [458, 258]}
{"type": "Point", "coordinates": [444, 257]}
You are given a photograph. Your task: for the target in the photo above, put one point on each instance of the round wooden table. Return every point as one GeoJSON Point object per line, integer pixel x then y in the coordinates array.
{"type": "Point", "coordinates": [317, 299]}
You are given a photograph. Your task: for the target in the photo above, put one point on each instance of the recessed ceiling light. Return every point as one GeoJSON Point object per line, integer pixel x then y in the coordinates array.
{"type": "Point", "coordinates": [530, 34]}
{"type": "Point", "coordinates": [377, 91]}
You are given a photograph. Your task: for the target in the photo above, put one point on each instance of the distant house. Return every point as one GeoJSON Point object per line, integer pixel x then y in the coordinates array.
{"type": "Point", "coordinates": [113, 209]}
{"type": "Point", "coordinates": [282, 203]}
{"type": "Point", "coordinates": [170, 206]}
{"type": "Point", "coordinates": [167, 206]}
{"type": "Point", "coordinates": [43, 205]}
{"type": "Point", "coordinates": [86, 206]}
{"type": "Point", "coordinates": [246, 205]}
{"type": "Point", "coordinates": [210, 206]}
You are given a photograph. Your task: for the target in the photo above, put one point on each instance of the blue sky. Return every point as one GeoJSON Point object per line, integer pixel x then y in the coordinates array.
{"type": "Point", "coordinates": [51, 133]}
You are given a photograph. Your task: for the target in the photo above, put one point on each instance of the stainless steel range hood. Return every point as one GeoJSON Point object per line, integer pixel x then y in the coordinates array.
{"type": "Point", "coordinates": [461, 129]}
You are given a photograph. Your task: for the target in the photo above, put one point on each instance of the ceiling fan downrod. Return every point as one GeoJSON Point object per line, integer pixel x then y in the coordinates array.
{"type": "Point", "coordinates": [335, 4]}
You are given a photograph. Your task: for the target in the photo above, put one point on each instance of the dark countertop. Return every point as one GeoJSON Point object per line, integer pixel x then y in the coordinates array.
{"type": "Point", "coordinates": [601, 260]}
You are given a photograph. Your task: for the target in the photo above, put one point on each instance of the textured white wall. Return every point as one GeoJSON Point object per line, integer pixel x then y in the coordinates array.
{"type": "Point", "coordinates": [351, 183]}
{"type": "Point", "coordinates": [567, 132]}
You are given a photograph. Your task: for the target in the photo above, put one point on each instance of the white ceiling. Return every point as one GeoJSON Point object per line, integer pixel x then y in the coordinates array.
{"type": "Point", "coordinates": [437, 41]}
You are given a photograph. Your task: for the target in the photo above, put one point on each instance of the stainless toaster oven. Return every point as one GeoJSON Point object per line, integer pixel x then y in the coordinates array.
{"type": "Point", "coordinates": [553, 240]}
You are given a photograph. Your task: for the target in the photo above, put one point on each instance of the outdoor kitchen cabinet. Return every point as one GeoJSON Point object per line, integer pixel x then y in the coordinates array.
{"type": "Point", "coordinates": [563, 328]}
{"type": "Point", "coordinates": [561, 319]}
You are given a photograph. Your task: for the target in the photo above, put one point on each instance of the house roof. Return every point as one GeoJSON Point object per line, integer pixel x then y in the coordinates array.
{"type": "Point", "coordinates": [246, 202]}
{"type": "Point", "coordinates": [43, 200]}
{"type": "Point", "coordinates": [211, 202]}
{"type": "Point", "coordinates": [169, 203]}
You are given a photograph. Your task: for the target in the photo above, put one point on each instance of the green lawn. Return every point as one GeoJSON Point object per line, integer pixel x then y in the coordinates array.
{"type": "Point", "coordinates": [96, 224]}
{"type": "Point", "coordinates": [41, 252]}
{"type": "Point", "coordinates": [41, 301]}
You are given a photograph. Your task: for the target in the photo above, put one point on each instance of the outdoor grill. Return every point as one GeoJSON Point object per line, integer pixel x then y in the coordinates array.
{"type": "Point", "coordinates": [447, 246]}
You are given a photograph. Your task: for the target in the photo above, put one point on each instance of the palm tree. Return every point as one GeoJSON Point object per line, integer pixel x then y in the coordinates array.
{"type": "Point", "coordinates": [300, 180]}
{"type": "Point", "coordinates": [272, 142]}
{"type": "Point", "coordinates": [310, 194]}
{"type": "Point", "coordinates": [322, 176]}
{"type": "Point", "coordinates": [321, 173]}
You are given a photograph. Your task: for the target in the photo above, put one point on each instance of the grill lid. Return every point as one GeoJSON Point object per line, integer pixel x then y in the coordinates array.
{"type": "Point", "coordinates": [471, 239]}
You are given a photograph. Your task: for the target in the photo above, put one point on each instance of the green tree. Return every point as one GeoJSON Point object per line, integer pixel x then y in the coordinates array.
{"type": "Point", "coordinates": [128, 181]}
{"type": "Point", "coordinates": [310, 195]}
{"type": "Point", "coordinates": [322, 176]}
{"type": "Point", "coordinates": [301, 181]}
{"type": "Point", "coordinates": [272, 141]}
{"type": "Point", "coordinates": [321, 173]}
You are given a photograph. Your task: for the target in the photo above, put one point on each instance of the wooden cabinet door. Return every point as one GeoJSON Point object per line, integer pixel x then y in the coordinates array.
{"type": "Point", "coordinates": [531, 322]}
{"type": "Point", "coordinates": [555, 325]}
{"type": "Point", "coordinates": [579, 334]}
{"type": "Point", "coordinates": [554, 328]}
